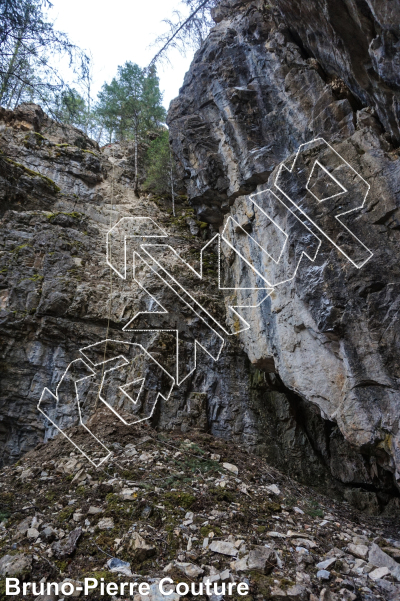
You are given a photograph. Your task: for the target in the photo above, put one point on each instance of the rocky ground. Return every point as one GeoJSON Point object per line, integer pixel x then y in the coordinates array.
{"type": "Point", "coordinates": [191, 507]}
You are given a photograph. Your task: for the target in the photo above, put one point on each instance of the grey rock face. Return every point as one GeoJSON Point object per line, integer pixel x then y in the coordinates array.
{"type": "Point", "coordinates": [358, 42]}
{"type": "Point", "coordinates": [329, 335]}
{"type": "Point", "coordinates": [275, 389]}
{"type": "Point", "coordinates": [56, 208]}
{"type": "Point", "coordinates": [251, 98]}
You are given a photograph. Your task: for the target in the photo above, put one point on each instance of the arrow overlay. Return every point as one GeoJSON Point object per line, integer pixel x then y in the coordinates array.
{"type": "Point", "coordinates": [124, 367]}
{"type": "Point", "coordinates": [66, 406]}
{"type": "Point", "coordinates": [328, 192]}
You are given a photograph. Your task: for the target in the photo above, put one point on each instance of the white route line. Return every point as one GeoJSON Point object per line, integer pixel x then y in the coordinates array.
{"type": "Point", "coordinates": [142, 380]}
{"type": "Point", "coordinates": [254, 240]}
{"type": "Point", "coordinates": [196, 342]}
{"type": "Point", "coordinates": [109, 233]}
{"type": "Point", "coordinates": [92, 375]}
{"type": "Point", "coordinates": [56, 397]}
{"type": "Point", "coordinates": [304, 253]}
{"type": "Point", "coordinates": [246, 325]}
{"type": "Point", "coordinates": [144, 247]}
{"type": "Point", "coordinates": [337, 217]}
{"type": "Point", "coordinates": [159, 394]}
{"type": "Point", "coordinates": [331, 176]}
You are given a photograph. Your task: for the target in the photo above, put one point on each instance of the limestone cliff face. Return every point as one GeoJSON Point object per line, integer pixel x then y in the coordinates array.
{"type": "Point", "coordinates": [59, 195]}
{"type": "Point", "coordinates": [270, 77]}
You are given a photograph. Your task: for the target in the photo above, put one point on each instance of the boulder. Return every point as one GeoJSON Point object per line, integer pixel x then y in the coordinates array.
{"type": "Point", "coordinates": [293, 593]}
{"type": "Point", "coordinates": [128, 494]}
{"type": "Point", "coordinates": [106, 524]}
{"type": "Point", "coordinates": [15, 565]}
{"type": "Point", "coordinates": [262, 558]}
{"type": "Point", "coordinates": [79, 477]}
{"type": "Point", "coordinates": [275, 490]}
{"type": "Point", "coordinates": [190, 570]}
{"type": "Point", "coordinates": [360, 551]}
{"type": "Point", "coordinates": [380, 559]}
{"type": "Point", "coordinates": [48, 534]}
{"type": "Point", "coordinates": [323, 575]}
{"type": "Point", "coordinates": [94, 510]}
{"type": "Point", "coordinates": [65, 548]}
{"type": "Point", "coordinates": [328, 595]}
{"type": "Point", "coordinates": [240, 565]}
{"type": "Point", "coordinates": [231, 468]}
{"type": "Point", "coordinates": [32, 533]}
{"type": "Point", "coordinates": [140, 549]}
{"type": "Point", "coordinates": [379, 573]}
{"type": "Point", "coordinates": [22, 528]}
{"type": "Point", "coordinates": [119, 567]}
{"type": "Point", "coordinates": [324, 565]}
{"type": "Point", "coordinates": [223, 547]}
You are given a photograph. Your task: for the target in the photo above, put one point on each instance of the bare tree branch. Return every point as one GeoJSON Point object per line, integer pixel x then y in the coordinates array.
{"type": "Point", "coordinates": [182, 31]}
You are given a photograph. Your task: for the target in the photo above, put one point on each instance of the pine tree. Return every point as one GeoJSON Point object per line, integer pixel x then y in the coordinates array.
{"type": "Point", "coordinates": [131, 108]}
{"type": "Point", "coordinates": [29, 45]}
{"type": "Point", "coordinates": [70, 107]}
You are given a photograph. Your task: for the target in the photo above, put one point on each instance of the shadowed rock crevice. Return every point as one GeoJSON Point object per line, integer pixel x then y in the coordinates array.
{"type": "Point", "coordinates": [357, 41]}
{"type": "Point", "coordinates": [326, 460]}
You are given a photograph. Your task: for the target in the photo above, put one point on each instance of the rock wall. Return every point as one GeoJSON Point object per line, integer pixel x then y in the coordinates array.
{"type": "Point", "coordinates": [356, 41]}
{"type": "Point", "coordinates": [59, 196]}
{"type": "Point", "coordinates": [269, 78]}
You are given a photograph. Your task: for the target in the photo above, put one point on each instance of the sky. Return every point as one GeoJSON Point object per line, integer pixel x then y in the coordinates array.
{"type": "Point", "coordinates": [118, 31]}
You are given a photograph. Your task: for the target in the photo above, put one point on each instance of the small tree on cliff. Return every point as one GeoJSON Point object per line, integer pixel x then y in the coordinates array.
{"type": "Point", "coordinates": [130, 106]}
{"type": "Point", "coordinates": [70, 107]}
{"type": "Point", "coordinates": [161, 168]}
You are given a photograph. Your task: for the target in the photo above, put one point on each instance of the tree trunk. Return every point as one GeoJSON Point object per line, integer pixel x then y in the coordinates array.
{"type": "Point", "coordinates": [12, 94]}
{"type": "Point", "coordinates": [100, 134]}
{"type": "Point", "coordinates": [14, 57]}
{"type": "Point", "coordinates": [136, 166]}
{"type": "Point", "coordinates": [19, 95]}
{"type": "Point", "coordinates": [10, 70]}
{"type": "Point", "coordinates": [87, 120]}
{"type": "Point", "coordinates": [172, 183]}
